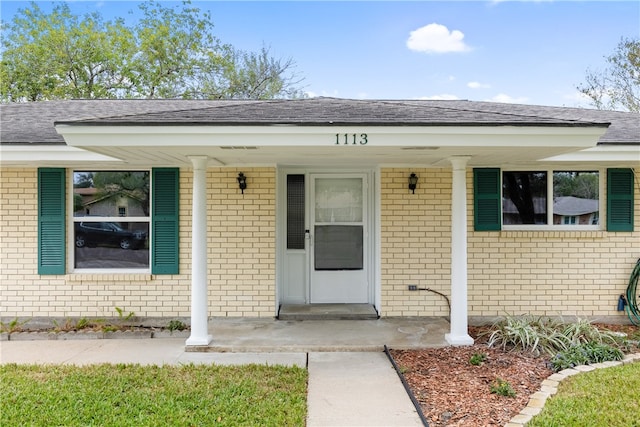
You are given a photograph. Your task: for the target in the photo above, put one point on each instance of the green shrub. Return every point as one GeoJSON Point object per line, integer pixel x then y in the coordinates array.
{"type": "Point", "coordinates": [585, 354]}
{"type": "Point", "coordinates": [477, 359]}
{"type": "Point", "coordinates": [176, 325]}
{"type": "Point", "coordinates": [582, 331]}
{"type": "Point", "coordinates": [527, 333]}
{"type": "Point", "coordinates": [544, 335]}
{"type": "Point", "coordinates": [502, 388]}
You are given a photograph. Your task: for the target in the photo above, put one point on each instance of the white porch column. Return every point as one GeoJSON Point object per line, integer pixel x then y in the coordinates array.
{"type": "Point", "coordinates": [199, 304]}
{"type": "Point", "coordinates": [459, 334]}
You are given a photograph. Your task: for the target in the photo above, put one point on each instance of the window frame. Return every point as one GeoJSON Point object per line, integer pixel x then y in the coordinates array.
{"type": "Point", "coordinates": [550, 226]}
{"type": "Point", "coordinates": [72, 220]}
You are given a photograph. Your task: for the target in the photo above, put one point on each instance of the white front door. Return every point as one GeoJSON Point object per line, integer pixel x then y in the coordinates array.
{"type": "Point", "coordinates": [338, 238]}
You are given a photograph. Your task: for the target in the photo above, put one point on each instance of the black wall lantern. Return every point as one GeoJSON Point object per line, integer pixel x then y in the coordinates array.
{"type": "Point", "coordinates": [242, 182]}
{"type": "Point", "coordinates": [413, 182]}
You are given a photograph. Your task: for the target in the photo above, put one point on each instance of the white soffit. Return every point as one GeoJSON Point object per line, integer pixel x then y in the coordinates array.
{"type": "Point", "coordinates": [625, 154]}
{"type": "Point", "coordinates": [49, 154]}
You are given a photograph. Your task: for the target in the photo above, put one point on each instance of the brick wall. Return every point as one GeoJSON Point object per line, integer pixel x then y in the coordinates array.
{"type": "Point", "coordinates": [415, 242]}
{"type": "Point", "coordinates": [242, 243]}
{"type": "Point", "coordinates": [241, 252]}
{"type": "Point", "coordinates": [549, 273]}
{"type": "Point", "coordinates": [539, 272]}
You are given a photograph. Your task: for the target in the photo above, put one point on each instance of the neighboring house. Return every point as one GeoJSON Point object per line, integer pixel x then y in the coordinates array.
{"type": "Point", "coordinates": [327, 215]}
{"type": "Point", "coordinates": [116, 203]}
{"type": "Point", "coordinates": [567, 210]}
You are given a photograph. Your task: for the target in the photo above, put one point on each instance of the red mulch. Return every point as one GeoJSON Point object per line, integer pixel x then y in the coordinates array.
{"type": "Point", "coordinates": [453, 392]}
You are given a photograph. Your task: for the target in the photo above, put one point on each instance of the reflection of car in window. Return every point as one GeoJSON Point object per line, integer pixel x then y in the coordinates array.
{"type": "Point", "coordinates": [108, 234]}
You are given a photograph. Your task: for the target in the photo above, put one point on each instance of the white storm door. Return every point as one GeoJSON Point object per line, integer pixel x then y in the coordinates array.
{"type": "Point", "coordinates": [339, 239]}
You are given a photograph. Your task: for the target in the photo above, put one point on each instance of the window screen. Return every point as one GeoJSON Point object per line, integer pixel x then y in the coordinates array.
{"type": "Point", "coordinates": [295, 211]}
{"type": "Point", "coordinates": [338, 247]}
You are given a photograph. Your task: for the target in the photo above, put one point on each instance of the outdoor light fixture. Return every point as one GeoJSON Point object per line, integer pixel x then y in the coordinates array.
{"type": "Point", "coordinates": [413, 182]}
{"type": "Point", "coordinates": [242, 182]}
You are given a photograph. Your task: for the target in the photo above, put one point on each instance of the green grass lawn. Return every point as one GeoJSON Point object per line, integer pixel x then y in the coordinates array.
{"type": "Point", "coordinates": [604, 397]}
{"type": "Point", "coordinates": [134, 395]}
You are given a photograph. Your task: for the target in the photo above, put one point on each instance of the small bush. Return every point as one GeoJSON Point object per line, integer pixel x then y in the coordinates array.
{"type": "Point", "coordinates": [176, 325]}
{"type": "Point", "coordinates": [477, 359]}
{"type": "Point", "coordinates": [527, 333]}
{"type": "Point", "coordinates": [585, 354]}
{"type": "Point", "coordinates": [502, 388]}
{"type": "Point", "coordinates": [543, 335]}
{"type": "Point", "coordinates": [582, 331]}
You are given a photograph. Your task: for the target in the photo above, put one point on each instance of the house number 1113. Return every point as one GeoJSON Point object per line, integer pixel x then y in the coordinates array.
{"type": "Point", "coordinates": [351, 139]}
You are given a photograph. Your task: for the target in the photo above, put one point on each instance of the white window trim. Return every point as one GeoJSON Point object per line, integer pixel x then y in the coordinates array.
{"type": "Point", "coordinates": [549, 226]}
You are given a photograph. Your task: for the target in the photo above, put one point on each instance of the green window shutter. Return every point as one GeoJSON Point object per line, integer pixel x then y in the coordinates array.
{"type": "Point", "coordinates": [165, 221]}
{"type": "Point", "coordinates": [619, 200]}
{"type": "Point", "coordinates": [487, 204]}
{"type": "Point", "coordinates": [51, 221]}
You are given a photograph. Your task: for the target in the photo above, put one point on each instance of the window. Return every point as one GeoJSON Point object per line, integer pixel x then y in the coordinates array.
{"type": "Point", "coordinates": [156, 229]}
{"type": "Point", "coordinates": [575, 198]}
{"type": "Point", "coordinates": [116, 234]}
{"type": "Point", "coordinates": [551, 198]}
{"type": "Point", "coordinates": [524, 198]}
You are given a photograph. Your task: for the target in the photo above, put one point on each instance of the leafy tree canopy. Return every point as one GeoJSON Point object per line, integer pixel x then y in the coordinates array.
{"type": "Point", "coordinates": [168, 53]}
{"type": "Point", "coordinates": [617, 87]}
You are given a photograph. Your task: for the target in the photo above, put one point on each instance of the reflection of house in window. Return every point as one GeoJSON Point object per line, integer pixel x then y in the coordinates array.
{"type": "Point", "coordinates": [121, 203]}
{"type": "Point", "coordinates": [567, 210]}
{"type": "Point", "coordinates": [575, 211]}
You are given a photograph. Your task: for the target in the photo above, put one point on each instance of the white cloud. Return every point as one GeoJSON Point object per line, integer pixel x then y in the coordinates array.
{"type": "Point", "coordinates": [436, 38]}
{"type": "Point", "coordinates": [501, 97]}
{"type": "Point", "coordinates": [332, 94]}
{"type": "Point", "coordinates": [478, 85]}
{"type": "Point", "coordinates": [441, 97]}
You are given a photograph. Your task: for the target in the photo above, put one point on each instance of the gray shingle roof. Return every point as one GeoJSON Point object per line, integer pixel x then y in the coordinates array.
{"type": "Point", "coordinates": [29, 123]}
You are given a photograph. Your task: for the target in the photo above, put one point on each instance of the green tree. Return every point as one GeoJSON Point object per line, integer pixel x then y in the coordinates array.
{"type": "Point", "coordinates": [57, 55]}
{"type": "Point", "coordinates": [250, 75]}
{"type": "Point", "coordinates": [168, 53]}
{"type": "Point", "coordinates": [617, 86]}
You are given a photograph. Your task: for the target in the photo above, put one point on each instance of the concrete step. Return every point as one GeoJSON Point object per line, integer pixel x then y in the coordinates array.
{"type": "Point", "coordinates": [327, 312]}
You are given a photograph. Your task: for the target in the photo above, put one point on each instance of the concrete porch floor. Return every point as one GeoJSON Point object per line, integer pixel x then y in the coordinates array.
{"type": "Point", "coordinates": [271, 335]}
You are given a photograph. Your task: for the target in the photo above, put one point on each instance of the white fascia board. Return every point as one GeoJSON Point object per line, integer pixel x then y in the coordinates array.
{"type": "Point", "coordinates": [48, 154]}
{"type": "Point", "coordinates": [320, 136]}
{"type": "Point", "coordinates": [610, 153]}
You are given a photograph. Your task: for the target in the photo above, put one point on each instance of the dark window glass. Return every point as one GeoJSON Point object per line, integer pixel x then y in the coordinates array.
{"type": "Point", "coordinates": [524, 198]}
{"type": "Point", "coordinates": [338, 247]}
{"type": "Point", "coordinates": [295, 212]}
{"type": "Point", "coordinates": [106, 244]}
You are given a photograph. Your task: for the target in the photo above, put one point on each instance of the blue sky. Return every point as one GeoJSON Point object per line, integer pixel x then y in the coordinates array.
{"type": "Point", "coordinates": [533, 52]}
